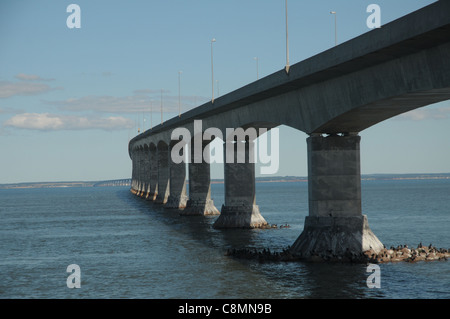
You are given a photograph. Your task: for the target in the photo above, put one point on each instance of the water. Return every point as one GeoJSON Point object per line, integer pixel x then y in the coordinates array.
{"type": "Point", "coordinates": [129, 248]}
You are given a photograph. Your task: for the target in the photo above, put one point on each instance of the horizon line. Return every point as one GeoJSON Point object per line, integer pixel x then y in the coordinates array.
{"type": "Point", "coordinates": [214, 179]}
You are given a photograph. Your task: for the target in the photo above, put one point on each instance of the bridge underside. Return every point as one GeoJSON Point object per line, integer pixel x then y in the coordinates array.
{"type": "Point", "coordinates": [366, 116]}
{"type": "Point", "coordinates": [400, 67]}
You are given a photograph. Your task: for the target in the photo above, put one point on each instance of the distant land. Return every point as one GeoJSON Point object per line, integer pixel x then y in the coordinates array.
{"type": "Point", "coordinates": [271, 179]}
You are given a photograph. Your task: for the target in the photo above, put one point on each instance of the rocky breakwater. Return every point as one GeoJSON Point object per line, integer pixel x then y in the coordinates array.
{"type": "Point", "coordinates": [393, 254]}
{"type": "Point", "coordinates": [406, 254]}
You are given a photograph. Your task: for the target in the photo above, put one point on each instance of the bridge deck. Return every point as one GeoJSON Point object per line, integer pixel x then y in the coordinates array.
{"type": "Point", "coordinates": [422, 29]}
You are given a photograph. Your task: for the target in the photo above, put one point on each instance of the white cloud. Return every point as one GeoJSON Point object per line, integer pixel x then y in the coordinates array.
{"type": "Point", "coordinates": [150, 91]}
{"type": "Point", "coordinates": [9, 89]}
{"type": "Point", "coordinates": [433, 113]}
{"type": "Point", "coordinates": [137, 103]}
{"type": "Point", "coordinates": [29, 84]}
{"type": "Point", "coordinates": [53, 122]}
{"type": "Point", "coordinates": [9, 110]}
{"type": "Point", "coordinates": [31, 77]}
{"type": "Point", "coordinates": [107, 74]}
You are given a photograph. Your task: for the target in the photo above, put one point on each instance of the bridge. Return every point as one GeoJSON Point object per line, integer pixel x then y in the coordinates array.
{"type": "Point", "coordinates": [115, 182]}
{"type": "Point", "coordinates": [332, 97]}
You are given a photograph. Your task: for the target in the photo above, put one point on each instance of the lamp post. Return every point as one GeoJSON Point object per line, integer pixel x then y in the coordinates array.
{"type": "Point", "coordinates": [287, 41]}
{"type": "Point", "coordinates": [335, 26]}
{"type": "Point", "coordinates": [212, 70]}
{"type": "Point", "coordinates": [143, 122]}
{"type": "Point", "coordinates": [218, 90]}
{"type": "Point", "coordinates": [161, 106]}
{"type": "Point", "coordinates": [137, 123]}
{"type": "Point", "coordinates": [179, 93]}
{"type": "Point", "coordinates": [151, 117]}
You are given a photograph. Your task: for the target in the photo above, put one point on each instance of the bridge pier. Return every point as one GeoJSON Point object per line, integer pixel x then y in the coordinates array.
{"type": "Point", "coordinates": [200, 202]}
{"type": "Point", "coordinates": [134, 174]}
{"type": "Point", "coordinates": [335, 225]}
{"type": "Point", "coordinates": [177, 194]}
{"type": "Point", "coordinates": [163, 173]}
{"type": "Point", "coordinates": [146, 173]}
{"type": "Point", "coordinates": [153, 173]}
{"type": "Point", "coordinates": [240, 209]}
{"type": "Point", "coordinates": [140, 159]}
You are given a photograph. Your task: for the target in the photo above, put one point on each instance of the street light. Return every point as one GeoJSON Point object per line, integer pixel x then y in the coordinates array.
{"type": "Point", "coordinates": [179, 93]}
{"type": "Point", "coordinates": [137, 123]}
{"type": "Point", "coordinates": [143, 122]}
{"type": "Point", "coordinates": [151, 117]}
{"type": "Point", "coordinates": [335, 26]}
{"type": "Point", "coordinates": [287, 41]}
{"type": "Point", "coordinates": [161, 106]}
{"type": "Point", "coordinates": [212, 70]}
{"type": "Point", "coordinates": [257, 68]}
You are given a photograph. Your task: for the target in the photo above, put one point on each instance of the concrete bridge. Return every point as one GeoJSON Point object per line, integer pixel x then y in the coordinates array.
{"type": "Point", "coordinates": [115, 182]}
{"type": "Point", "coordinates": [332, 97]}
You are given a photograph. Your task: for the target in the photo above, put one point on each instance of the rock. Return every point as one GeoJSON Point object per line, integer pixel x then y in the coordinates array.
{"type": "Point", "coordinates": [406, 251]}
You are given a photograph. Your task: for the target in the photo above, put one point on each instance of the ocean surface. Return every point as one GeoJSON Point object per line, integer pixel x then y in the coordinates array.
{"type": "Point", "coordinates": [127, 247]}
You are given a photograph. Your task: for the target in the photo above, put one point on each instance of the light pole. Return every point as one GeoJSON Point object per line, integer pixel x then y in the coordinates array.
{"type": "Point", "coordinates": [212, 70]}
{"type": "Point", "coordinates": [161, 106]}
{"type": "Point", "coordinates": [287, 41]}
{"type": "Point", "coordinates": [143, 122]}
{"type": "Point", "coordinates": [335, 26]}
{"type": "Point", "coordinates": [257, 67]}
{"type": "Point", "coordinates": [179, 93]}
{"type": "Point", "coordinates": [151, 117]}
{"type": "Point", "coordinates": [137, 123]}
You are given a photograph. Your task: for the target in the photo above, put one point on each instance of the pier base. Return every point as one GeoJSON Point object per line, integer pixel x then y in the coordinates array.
{"type": "Point", "coordinates": [240, 217]}
{"type": "Point", "coordinates": [176, 202]}
{"type": "Point", "coordinates": [197, 207]}
{"type": "Point", "coordinates": [330, 237]}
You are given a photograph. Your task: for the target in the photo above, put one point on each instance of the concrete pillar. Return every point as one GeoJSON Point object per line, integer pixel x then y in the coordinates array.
{"type": "Point", "coordinates": [177, 197]}
{"type": "Point", "coordinates": [200, 202]}
{"type": "Point", "coordinates": [146, 172]}
{"type": "Point", "coordinates": [153, 172]}
{"type": "Point", "coordinates": [140, 158]}
{"type": "Point", "coordinates": [163, 173]}
{"type": "Point", "coordinates": [239, 210]}
{"type": "Point", "coordinates": [134, 172]}
{"type": "Point", "coordinates": [335, 225]}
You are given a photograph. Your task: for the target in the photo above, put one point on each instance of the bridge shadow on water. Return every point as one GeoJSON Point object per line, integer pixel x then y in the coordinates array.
{"type": "Point", "coordinates": [293, 279]}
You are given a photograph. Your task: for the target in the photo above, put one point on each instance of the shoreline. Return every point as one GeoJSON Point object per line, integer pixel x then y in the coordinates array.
{"type": "Point", "coordinates": [275, 179]}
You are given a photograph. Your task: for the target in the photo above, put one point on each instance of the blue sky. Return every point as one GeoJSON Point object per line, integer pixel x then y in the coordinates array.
{"type": "Point", "coordinates": [70, 99]}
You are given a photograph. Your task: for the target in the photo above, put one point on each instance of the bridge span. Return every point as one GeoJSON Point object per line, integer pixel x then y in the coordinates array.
{"type": "Point", "coordinates": [332, 97]}
{"type": "Point", "coordinates": [114, 182]}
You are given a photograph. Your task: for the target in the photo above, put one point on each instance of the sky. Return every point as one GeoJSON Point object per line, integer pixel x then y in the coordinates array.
{"type": "Point", "coordinates": [72, 98]}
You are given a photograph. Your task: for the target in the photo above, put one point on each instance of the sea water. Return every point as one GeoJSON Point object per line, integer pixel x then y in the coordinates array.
{"type": "Point", "coordinates": [127, 247]}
